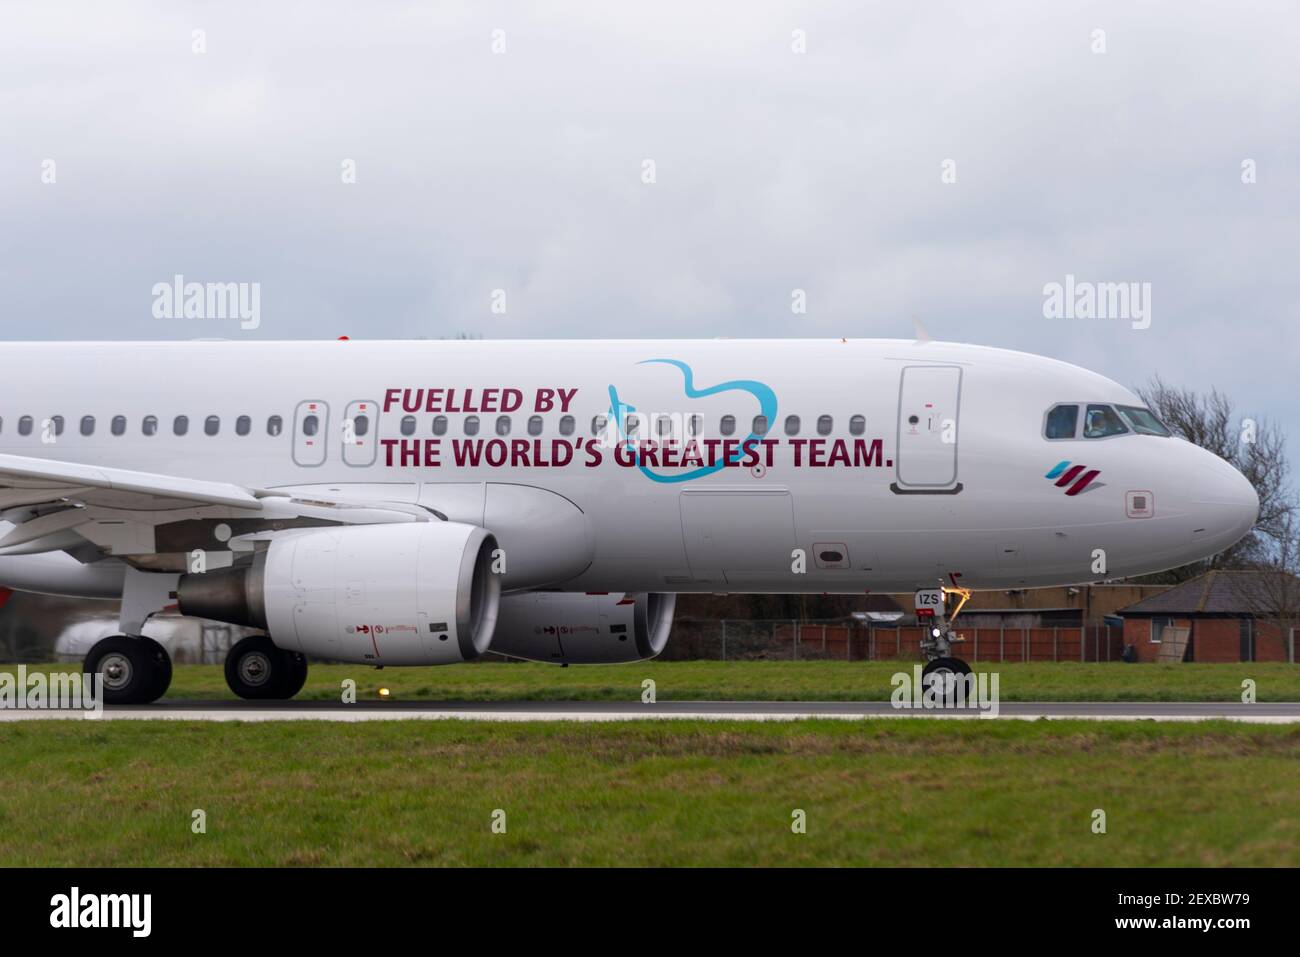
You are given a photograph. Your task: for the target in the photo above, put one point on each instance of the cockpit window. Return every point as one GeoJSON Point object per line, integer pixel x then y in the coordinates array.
{"type": "Point", "coordinates": [1101, 421]}
{"type": "Point", "coordinates": [1142, 421]}
{"type": "Point", "coordinates": [1061, 421]}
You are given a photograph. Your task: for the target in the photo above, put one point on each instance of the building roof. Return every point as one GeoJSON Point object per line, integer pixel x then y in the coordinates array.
{"type": "Point", "coordinates": [877, 602]}
{"type": "Point", "coordinates": [1214, 593]}
{"type": "Point", "coordinates": [1052, 609]}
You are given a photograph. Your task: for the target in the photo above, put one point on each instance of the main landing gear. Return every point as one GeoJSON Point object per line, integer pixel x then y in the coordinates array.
{"type": "Point", "coordinates": [259, 671]}
{"type": "Point", "coordinates": [942, 667]}
{"type": "Point", "coordinates": [136, 670]}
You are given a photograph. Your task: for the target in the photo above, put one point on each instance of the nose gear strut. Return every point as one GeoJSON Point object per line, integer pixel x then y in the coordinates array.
{"type": "Point", "coordinates": [942, 670]}
{"type": "Point", "coordinates": [939, 637]}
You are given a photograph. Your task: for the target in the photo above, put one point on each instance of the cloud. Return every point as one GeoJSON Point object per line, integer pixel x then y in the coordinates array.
{"type": "Point", "coordinates": [774, 171]}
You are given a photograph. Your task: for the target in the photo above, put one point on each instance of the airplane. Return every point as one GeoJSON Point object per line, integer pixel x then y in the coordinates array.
{"type": "Point", "coordinates": [425, 502]}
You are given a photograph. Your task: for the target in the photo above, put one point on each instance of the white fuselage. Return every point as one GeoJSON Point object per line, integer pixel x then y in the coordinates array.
{"type": "Point", "coordinates": [836, 504]}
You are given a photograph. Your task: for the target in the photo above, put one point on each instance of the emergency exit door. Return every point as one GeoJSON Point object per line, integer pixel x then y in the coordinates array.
{"type": "Point", "coordinates": [311, 422]}
{"type": "Point", "coordinates": [928, 405]}
{"type": "Point", "coordinates": [359, 433]}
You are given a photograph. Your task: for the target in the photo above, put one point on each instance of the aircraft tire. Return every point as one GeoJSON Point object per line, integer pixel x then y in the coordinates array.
{"type": "Point", "coordinates": [257, 670]}
{"type": "Point", "coordinates": [946, 666]}
{"type": "Point", "coordinates": [135, 670]}
{"type": "Point", "coordinates": [296, 676]}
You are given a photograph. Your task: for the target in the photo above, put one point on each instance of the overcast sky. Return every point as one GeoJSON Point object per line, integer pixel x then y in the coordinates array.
{"type": "Point", "coordinates": [774, 170]}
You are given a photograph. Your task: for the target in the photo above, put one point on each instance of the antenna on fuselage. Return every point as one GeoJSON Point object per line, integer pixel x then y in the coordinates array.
{"type": "Point", "coordinates": [922, 336]}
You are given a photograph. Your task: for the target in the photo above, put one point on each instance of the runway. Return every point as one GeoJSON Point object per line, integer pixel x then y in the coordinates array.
{"type": "Point", "coordinates": [1262, 713]}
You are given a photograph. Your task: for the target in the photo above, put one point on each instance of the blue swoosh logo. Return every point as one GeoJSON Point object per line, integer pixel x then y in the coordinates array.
{"type": "Point", "coordinates": [767, 405]}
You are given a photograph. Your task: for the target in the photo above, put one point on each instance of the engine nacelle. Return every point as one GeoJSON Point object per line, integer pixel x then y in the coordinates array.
{"type": "Point", "coordinates": [581, 629]}
{"type": "Point", "coordinates": [403, 594]}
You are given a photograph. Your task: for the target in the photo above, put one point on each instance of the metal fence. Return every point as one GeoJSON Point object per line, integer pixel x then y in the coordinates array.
{"type": "Point", "coordinates": [850, 640]}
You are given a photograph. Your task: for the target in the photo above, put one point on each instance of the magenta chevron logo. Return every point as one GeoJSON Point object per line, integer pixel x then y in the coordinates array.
{"type": "Point", "coordinates": [1074, 478]}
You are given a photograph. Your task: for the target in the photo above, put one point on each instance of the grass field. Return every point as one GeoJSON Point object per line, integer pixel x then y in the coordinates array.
{"type": "Point", "coordinates": [764, 681]}
{"type": "Point", "coordinates": [685, 793]}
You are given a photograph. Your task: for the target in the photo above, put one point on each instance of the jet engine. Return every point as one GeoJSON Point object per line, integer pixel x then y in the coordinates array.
{"type": "Point", "coordinates": [395, 594]}
{"type": "Point", "coordinates": [584, 629]}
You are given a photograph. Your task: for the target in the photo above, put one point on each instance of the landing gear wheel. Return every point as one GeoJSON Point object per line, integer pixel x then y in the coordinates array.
{"type": "Point", "coordinates": [259, 671]}
{"type": "Point", "coordinates": [135, 670]}
{"type": "Point", "coordinates": [296, 676]}
{"type": "Point", "coordinates": [946, 670]}
{"type": "Point", "coordinates": [163, 675]}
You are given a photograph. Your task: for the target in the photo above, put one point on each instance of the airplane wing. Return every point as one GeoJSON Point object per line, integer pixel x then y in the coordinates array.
{"type": "Point", "coordinates": [94, 512]}
{"type": "Point", "coordinates": [28, 481]}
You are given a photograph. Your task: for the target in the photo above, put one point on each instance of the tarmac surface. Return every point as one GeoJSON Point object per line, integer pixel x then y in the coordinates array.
{"type": "Point", "coordinates": [1263, 713]}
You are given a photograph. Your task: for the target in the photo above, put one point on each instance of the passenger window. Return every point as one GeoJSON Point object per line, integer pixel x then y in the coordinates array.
{"type": "Point", "coordinates": [471, 425]}
{"type": "Point", "coordinates": [57, 422]}
{"type": "Point", "coordinates": [728, 425]}
{"type": "Point", "coordinates": [534, 425]}
{"type": "Point", "coordinates": [664, 425]}
{"type": "Point", "coordinates": [1061, 421]}
{"type": "Point", "coordinates": [212, 425]}
{"type": "Point", "coordinates": [857, 425]}
{"type": "Point", "coordinates": [25, 425]}
{"type": "Point", "coordinates": [439, 425]}
{"type": "Point", "coordinates": [695, 425]}
{"type": "Point", "coordinates": [760, 425]}
{"type": "Point", "coordinates": [1101, 421]}
{"type": "Point", "coordinates": [361, 426]}
{"type": "Point", "coordinates": [1142, 421]}
{"type": "Point", "coordinates": [274, 426]}
{"type": "Point", "coordinates": [310, 425]}
{"type": "Point", "coordinates": [181, 424]}
{"type": "Point", "coordinates": [631, 425]}
{"type": "Point", "coordinates": [792, 425]}
{"type": "Point", "coordinates": [87, 425]}
{"type": "Point", "coordinates": [825, 425]}
{"type": "Point", "coordinates": [150, 425]}
{"type": "Point", "coordinates": [598, 424]}
{"type": "Point", "coordinates": [118, 426]}
{"type": "Point", "coordinates": [567, 424]}
{"type": "Point", "coordinates": [243, 425]}
{"type": "Point", "coordinates": [408, 425]}
{"type": "Point", "coordinates": [503, 425]}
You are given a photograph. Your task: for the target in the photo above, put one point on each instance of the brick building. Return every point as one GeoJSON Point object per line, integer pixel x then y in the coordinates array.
{"type": "Point", "coordinates": [1228, 614]}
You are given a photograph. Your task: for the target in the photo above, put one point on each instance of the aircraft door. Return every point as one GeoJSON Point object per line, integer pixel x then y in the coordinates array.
{"type": "Point", "coordinates": [311, 433]}
{"type": "Point", "coordinates": [360, 433]}
{"type": "Point", "coordinates": [929, 398]}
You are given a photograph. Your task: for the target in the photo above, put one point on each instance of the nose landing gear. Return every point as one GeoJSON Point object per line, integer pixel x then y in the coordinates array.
{"type": "Point", "coordinates": [939, 637]}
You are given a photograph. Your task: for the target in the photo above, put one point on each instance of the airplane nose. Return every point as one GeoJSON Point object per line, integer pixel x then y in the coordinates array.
{"type": "Point", "coordinates": [1226, 498]}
